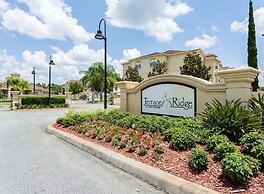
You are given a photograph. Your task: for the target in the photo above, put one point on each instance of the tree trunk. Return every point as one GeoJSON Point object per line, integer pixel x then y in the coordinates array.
{"type": "Point", "coordinates": [92, 97]}
{"type": "Point", "coordinates": [101, 96]}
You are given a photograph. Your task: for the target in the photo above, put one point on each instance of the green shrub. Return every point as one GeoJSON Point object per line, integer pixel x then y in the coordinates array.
{"type": "Point", "coordinates": [66, 122]}
{"type": "Point", "coordinates": [215, 140]}
{"type": "Point", "coordinates": [42, 100]}
{"type": "Point", "coordinates": [257, 106]}
{"type": "Point", "coordinates": [222, 149]}
{"type": "Point", "coordinates": [253, 164]}
{"type": "Point", "coordinates": [196, 127]}
{"type": "Point", "coordinates": [251, 140]}
{"type": "Point", "coordinates": [198, 159]}
{"type": "Point", "coordinates": [239, 168]}
{"type": "Point", "coordinates": [182, 139]}
{"type": "Point", "coordinates": [258, 152]}
{"type": "Point", "coordinates": [128, 122]}
{"type": "Point", "coordinates": [231, 119]}
{"type": "Point", "coordinates": [5, 101]}
{"type": "Point", "coordinates": [71, 118]}
{"type": "Point", "coordinates": [168, 133]}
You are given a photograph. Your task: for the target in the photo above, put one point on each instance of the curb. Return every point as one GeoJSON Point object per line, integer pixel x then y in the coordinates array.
{"type": "Point", "coordinates": [158, 178]}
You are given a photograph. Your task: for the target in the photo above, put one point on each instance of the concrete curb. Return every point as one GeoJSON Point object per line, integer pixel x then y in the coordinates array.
{"type": "Point", "coordinates": [165, 181]}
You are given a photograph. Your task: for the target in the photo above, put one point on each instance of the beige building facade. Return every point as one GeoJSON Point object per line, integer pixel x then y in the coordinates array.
{"type": "Point", "coordinates": [174, 60]}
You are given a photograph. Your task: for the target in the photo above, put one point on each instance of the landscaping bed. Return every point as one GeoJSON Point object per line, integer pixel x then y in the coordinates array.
{"type": "Point", "coordinates": [169, 144]}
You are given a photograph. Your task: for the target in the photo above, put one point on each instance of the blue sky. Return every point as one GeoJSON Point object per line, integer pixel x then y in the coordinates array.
{"type": "Point", "coordinates": [31, 30]}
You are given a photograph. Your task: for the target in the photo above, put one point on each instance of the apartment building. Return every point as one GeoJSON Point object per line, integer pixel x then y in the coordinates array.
{"type": "Point", "coordinates": [174, 60]}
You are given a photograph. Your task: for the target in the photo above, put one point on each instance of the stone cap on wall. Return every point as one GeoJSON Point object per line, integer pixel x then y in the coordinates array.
{"type": "Point", "coordinates": [245, 74]}
{"type": "Point", "coordinates": [202, 84]}
{"type": "Point", "coordinates": [127, 84]}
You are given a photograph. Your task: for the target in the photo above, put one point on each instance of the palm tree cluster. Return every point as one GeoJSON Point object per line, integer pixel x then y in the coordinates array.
{"type": "Point", "coordinates": [93, 78]}
{"type": "Point", "coordinates": [17, 84]}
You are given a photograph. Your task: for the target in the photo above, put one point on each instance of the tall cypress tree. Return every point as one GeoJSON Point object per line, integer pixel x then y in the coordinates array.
{"type": "Point", "coordinates": [252, 48]}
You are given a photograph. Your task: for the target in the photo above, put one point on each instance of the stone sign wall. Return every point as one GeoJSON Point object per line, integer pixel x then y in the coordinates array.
{"type": "Point", "coordinates": [181, 95]}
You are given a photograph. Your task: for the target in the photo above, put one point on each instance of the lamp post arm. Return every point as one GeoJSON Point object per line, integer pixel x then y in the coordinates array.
{"type": "Point", "coordinates": [103, 20]}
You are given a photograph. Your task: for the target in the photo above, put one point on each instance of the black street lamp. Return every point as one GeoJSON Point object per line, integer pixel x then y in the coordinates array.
{"type": "Point", "coordinates": [50, 64]}
{"type": "Point", "coordinates": [34, 80]}
{"type": "Point", "coordinates": [99, 36]}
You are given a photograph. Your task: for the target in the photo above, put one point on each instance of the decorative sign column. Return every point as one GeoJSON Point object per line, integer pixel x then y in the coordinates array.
{"type": "Point", "coordinates": [171, 99]}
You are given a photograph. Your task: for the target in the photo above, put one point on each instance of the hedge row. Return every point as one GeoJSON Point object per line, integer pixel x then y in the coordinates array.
{"type": "Point", "coordinates": [42, 100]}
{"type": "Point", "coordinates": [35, 106]}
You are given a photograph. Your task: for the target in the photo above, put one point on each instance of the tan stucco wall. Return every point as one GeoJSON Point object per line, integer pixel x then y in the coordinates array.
{"type": "Point", "coordinates": [174, 62]}
{"type": "Point", "coordinates": [237, 86]}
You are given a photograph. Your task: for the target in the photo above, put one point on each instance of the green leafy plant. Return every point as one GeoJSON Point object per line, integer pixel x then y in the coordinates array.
{"type": "Point", "coordinates": [157, 157]}
{"type": "Point", "coordinates": [142, 150]}
{"type": "Point", "coordinates": [215, 140]}
{"type": "Point", "coordinates": [182, 139]}
{"type": "Point", "coordinates": [194, 66]}
{"type": "Point", "coordinates": [198, 159]}
{"type": "Point", "coordinates": [115, 142]}
{"type": "Point", "coordinates": [222, 149]}
{"type": "Point", "coordinates": [250, 140]}
{"type": "Point", "coordinates": [239, 168]}
{"type": "Point", "coordinates": [131, 147]}
{"type": "Point", "coordinates": [253, 163]}
{"type": "Point", "coordinates": [258, 152]}
{"type": "Point", "coordinates": [132, 74]}
{"type": "Point", "coordinates": [257, 106]}
{"type": "Point", "coordinates": [231, 119]}
{"type": "Point", "coordinates": [159, 68]}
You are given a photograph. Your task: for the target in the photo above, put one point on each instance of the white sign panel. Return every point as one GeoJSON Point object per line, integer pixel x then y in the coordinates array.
{"type": "Point", "coordinates": [170, 99]}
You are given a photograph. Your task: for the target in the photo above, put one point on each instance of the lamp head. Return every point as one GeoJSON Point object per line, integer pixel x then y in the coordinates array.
{"type": "Point", "coordinates": [51, 60]}
{"type": "Point", "coordinates": [33, 72]}
{"type": "Point", "coordinates": [99, 35]}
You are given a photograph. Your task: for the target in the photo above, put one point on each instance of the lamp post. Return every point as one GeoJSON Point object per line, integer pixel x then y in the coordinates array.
{"type": "Point", "coordinates": [34, 80]}
{"type": "Point", "coordinates": [100, 36]}
{"type": "Point", "coordinates": [50, 64]}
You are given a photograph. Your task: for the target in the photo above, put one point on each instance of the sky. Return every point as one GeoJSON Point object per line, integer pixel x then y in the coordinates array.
{"type": "Point", "coordinates": [32, 30]}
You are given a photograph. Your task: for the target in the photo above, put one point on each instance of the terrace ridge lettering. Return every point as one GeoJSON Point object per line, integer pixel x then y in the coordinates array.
{"type": "Point", "coordinates": [174, 102]}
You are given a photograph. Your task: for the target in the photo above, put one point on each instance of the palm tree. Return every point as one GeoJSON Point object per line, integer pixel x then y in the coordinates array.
{"type": "Point", "coordinates": [16, 84]}
{"type": "Point", "coordinates": [76, 87]}
{"type": "Point", "coordinates": [94, 79]}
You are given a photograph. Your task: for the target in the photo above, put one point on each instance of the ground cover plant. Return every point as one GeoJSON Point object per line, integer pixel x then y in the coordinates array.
{"type": "Point", "coordinates": [182, 146]}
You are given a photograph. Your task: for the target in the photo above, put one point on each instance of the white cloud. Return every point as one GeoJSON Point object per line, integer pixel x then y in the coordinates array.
{"type": "Point", "coordinates": [127, 55]}
{"type": "Point", "coordinates": [49, 19]}
{"type": "Point", "coordinates": [204, 42]}
{"type": "Point", "coordinates": [242, 26]}
{"type": "Point", "coordinates": [239, 26]}
{"type": "Point", "coordinates": [131, 53]}
{"type": "Point", "coordinates": [68, 64]}
{"type": "Point", "coordinates": [261, 77]}
{"type": "Point", "coordinates": [214, 28]}
{"type": "Point", "coordinates": [3, 6]}
{"type": "Point", "coordinates": [157, 19]}
{"type": "Point", "coordinates": [37, 58]}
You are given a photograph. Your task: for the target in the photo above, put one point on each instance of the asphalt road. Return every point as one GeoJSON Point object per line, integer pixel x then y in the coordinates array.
{"type": "Point", "coordinates": [32, 161]}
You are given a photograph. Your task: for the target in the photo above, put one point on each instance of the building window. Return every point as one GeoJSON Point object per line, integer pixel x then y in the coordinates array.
{"type": "Point", "coordinates": [216, 67]}
{"type": "Point", "coordinates": [138, 65]}
{"type": "Point", "coordinates": [152, 62]}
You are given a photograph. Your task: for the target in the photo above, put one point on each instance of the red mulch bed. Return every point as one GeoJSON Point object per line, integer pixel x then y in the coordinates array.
{"type": "Point", "coordinates": [176, 163]}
